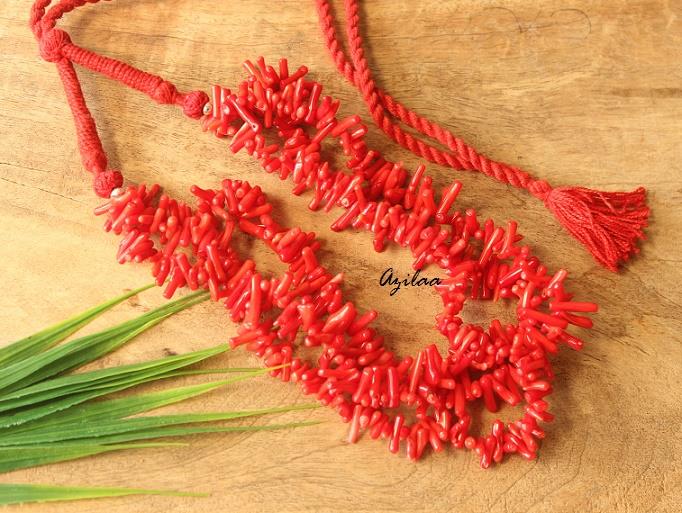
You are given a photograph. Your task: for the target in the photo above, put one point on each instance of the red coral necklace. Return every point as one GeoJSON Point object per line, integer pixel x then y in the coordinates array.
{"type": "Point", "coordinates": [417, 401]}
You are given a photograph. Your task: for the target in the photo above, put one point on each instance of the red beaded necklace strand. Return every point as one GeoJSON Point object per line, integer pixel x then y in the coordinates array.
{"type": "Point", "coordinates": [369, 385]}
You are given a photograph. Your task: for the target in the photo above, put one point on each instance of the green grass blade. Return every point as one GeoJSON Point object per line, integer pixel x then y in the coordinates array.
{"type": "Point", "coordinates": [127, 406]}
{"type": "Point", "coordinates": [66, 411]}
{"type": "Point", "coordinates": [226, 370]}
{"type": "Point", "coordinates": [158, 315]}
{"type": "Point", "coordinates": [83, 350]}
{"type": "Point", "coordinates": [18, 457]}
{"type": "Point", "coordinates": [14, 458]}
{"type": "Point", "coordinates": [91, 430]}
{"type": "Point", "coordinates": [150, 434]}
{"type": "Point", "coordinates": [94, 350]}
{"type": "Point", "coordinates": [25, 493]}
{"type": "Point", "coordinates": [44, 339]}
{"type": "Point", "coordinates": [66, 385]}
{"type": "Point", "coordinates": [78, 352]}
{"type": "Point", "coordinates": [65, 408]}
{"type": "Point", "coordinates": [26, 418]}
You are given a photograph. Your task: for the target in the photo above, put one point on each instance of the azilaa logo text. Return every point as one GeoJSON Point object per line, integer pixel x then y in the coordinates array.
{"type": "Point", "coordinates": [390, 279]}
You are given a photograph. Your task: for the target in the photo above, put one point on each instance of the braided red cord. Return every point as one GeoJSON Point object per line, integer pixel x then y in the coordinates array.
{"type": "Point", "coordinates": [56, 46]}
{"type": "Point", "coordinates": [380, 102]}
{"type": "Point", "coordinates": [158, 89]}
{"type": "Point", "coordinates": [607, 223]}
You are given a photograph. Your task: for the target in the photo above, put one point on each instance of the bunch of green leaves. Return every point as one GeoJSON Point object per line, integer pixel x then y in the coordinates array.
{"type": "Point", "coordinates": [50, 414]}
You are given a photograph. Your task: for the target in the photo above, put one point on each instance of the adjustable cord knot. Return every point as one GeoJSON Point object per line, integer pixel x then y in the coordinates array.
{"type": "Point", "coordinates": [106, 181]}
{"type": "Point", "coordinates": [193, 104]}
{"type": "Point", "coordinates": [164, 92]}
{"type": "Point", "coordinates": [51, 44]}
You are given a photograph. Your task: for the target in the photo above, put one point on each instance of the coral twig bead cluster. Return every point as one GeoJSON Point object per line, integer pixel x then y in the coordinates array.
{"type": "Point", "coordinates": [415, 401]}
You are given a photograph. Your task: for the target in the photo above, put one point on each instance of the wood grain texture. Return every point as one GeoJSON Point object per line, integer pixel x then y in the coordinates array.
{"type": "Point", "coordinates": [580, 92]}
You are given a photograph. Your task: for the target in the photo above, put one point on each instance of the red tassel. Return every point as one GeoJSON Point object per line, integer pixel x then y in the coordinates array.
{"type": "Point", "coordinates": [607, 223]}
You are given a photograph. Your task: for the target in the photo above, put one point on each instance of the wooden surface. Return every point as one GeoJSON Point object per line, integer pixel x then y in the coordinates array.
{"type": "Point", "coordinates": [580, 92]}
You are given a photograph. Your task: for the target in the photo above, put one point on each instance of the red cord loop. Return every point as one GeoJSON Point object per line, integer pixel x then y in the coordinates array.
{"type": "Point", "coordinates": [52, 43]}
